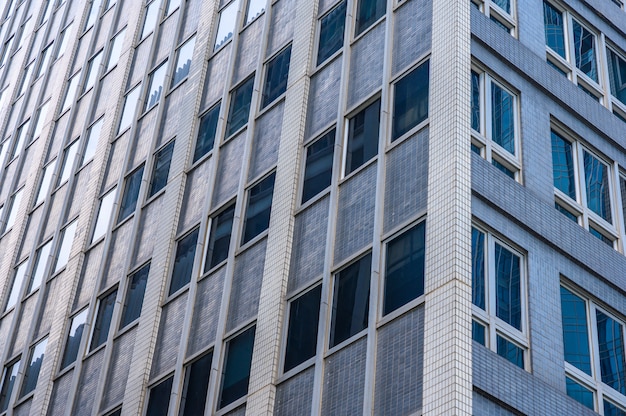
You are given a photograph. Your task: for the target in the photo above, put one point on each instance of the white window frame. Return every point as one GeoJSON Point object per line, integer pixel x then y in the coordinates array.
{"type": "Point", "coordinates": [490, 9]}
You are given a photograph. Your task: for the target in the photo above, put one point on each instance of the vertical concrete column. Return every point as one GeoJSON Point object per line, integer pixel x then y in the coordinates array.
{"type": "Point", "coordinates": [448, 313]}
{"type": "Point", "coordinates": [270, 318]}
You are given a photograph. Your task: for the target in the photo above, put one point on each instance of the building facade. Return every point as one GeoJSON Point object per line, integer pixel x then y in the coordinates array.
{"type": "Point", "coordinates": [312, 207]}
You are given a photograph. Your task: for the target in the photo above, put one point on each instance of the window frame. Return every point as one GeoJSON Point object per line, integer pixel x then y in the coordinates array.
{"type": "Point", "coordinates": [303, 168]}
{"type": "Point", "coordinates": [495, 13]}
{"type": "Point", "coordinates": [209, 241]}
{"type": "Point", "coordinates": [62, 364]}
{"type": "Point", "coordinates": [175, 82]}
{"type": "Point", "coordinates": [346, 136]}
{"type": "Point", "coordinates": [220, 407]}
{"type": "Point", "coordinates": [268, 95]}
{"type": "Point", "coordinates": [171, 294]}
{"type": "Point", "coordinates": [243, 242]}
{"type": "Point", "coordinates": [113, 291]}
{"type": "Point", "coordinates": [217, 47]}
{"type": "Point", "coordinates": [167, 147]}
{"type": "Point", "coordinates": [158, 73]}
{"type": "Point", "coordinates": [128, 178]}
{"type": "Point", "coordinates": [215, 107]}
{"type": "Point", "coordinates": [319, 63]}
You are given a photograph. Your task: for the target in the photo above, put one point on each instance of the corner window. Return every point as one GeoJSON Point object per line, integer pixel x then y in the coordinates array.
{"type": "Point", "coordinates": [410, 101]}
{"type": "Point", "coordinates": [74, 337]}
{"type": "Point", "coordinates": [115, 50]}
{"type": "Point", "coordinates": [331, 32]}
{"type": "Point", "coordinates": [152, 15]}
{"type": "Point", "coordinates": [239, 106]}
{"type": "Point", "coordinates": [31, 373]}
{"type": "Point", "coordinates": [93, 71]}
{"type": "Point", "coordinates": [255, 8]}
{"type": "Point", "coordinates": [16, 287]}
{"type": "Point", "coordinates": [206, 133]}
{"type": "Point", "coordinates": [157, 82]}
{"type": "Point", "coordinates": [66, 246]}
{"type": "Point", "coordinates": [304, 314]}
{"type": "Point", "coordinates": [183, 62]}
{"type": "Point", "coordinates": [103, 320]}
{"type": "Point", "coordinates": [161, 168]}
{"type": "Point", "coordinates": [128, 112]}
{"type": "Point", "coordinates": [498, 287]}
{"type": "Point", "coordinates": [318, 167]}
{"type": "Point", "coordinates": [219, 237]}
{"type": "Point", "coordinates": [104, 215]}
{"type": "Point", "coordinates": [236, 373]}
{"type": "Point", "coordinates": [131, 194]}
{"type": "Point", "coordinates": [183, 262]}
{"type": "Point", "coordinates": [134, 295]}
{"type": "Point", "coordinates": [367, 13]}
{"type": "Point", "coordinates": [159, 400]}
{"type": "Point", "coordinates": [362, 137]}
{"type": "Point", "coordinates": [39, 269]}
{"type": "Point", "coordinates": [259, 208]}
{"type": "Point", "coordinates": [226, 27]}
{"type": "Point", "coordinates": [276, 77]}
{"type": "Point", "coordinates": [196, 386]}
{"type": "Point", "coordinates": [8, 382]}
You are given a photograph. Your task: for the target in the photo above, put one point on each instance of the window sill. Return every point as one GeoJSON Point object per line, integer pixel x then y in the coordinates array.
{"type": "Point", "coordinates": [343, 344]}
{"type": "Point", "coordinates": [152, 198]}
{"type": "Point", "coordinates": [96, 241]}
{"type": "Point", "coordinates": [175, 295]}
{"type": "Point", "coordinates": [24, 399]}
{"type": "Point", "coordinates": [251, 22]}
{"type": "Point", "coordinates": [129, 327]}
{"type": "Point", "coordinates": [268, 107]}
{"type": "Point", "coordinates": [65, 370]}
{"type": "Point", "coordinates": [93, 352]}
{"type": "Point", "coordinates": [32, 293]}
{"type": "Point", "coordinates": [402, 310]}
{"type": "Point", "coordinates": [232, 406]}
{"type": "Point", "coordinates": [412, 132]}
{"type": "Point", "coordinates": [326, 62]}
{"type": "Point", "coordinates": [8, 311]}
{"type": "Point", "coordinates": [123, 221]}
{"type": "Point", "coordinates": [200, 161]}
{"type": "Point", "coordinates": [235, 133]}
{"type": "Point", "coordinates": [296, 370]}
{"type": "Point", "coordinates": [356, 38]}
{"type": "Point", "coordinates": [177, 85]}
{"type": "Point", "coordinates": [313, 200]}
{"type": "Point", "coordinates": [248, 244]}
{"type": "Point", "coordinates": [213, 270]}
{"type": "Point", "coordinates": [355, 172]}
{"type": "Point", "coordinates": [220, 48]}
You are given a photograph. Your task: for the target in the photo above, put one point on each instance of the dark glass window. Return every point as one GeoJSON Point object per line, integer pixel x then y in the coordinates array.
{"type": "Point", "coordinates": [363, 137]}
{"type": "Point", "coordinates": [510, 351]}
{"type": "Point", "coordinates": [504, 5]}
{"type": "Point", "coordinates": [276, 77]}
{"type": "Point", "coordinates": [331, 32]}
{"type": "Point", "coordinates": [131, 193]}
{"type": "Point", "coordinates": [617, 75]}
{"type": "Point", "coordinates": [612, 410]}
{"type": "Point", "coordinates": [475, 101]}
{"type": "Point", "coordinates": [579, 393]}
{"type": "Point", "coordinates": [597, 186]}
{"type": "Point", "coordinates": [73, 338]}
{"type": "Point", "coordinates": [597, 234]}
{"type": "Point", "coordinates": [196, 386]}
{"type": "Point", "coordinates": [563, 165]}
{"type": "Point", "coordinates": [103, 320]}
{"type": "Point", "coordinates": [239, 106]}
{"type": "Point", "coordinates": [134, 295]}
{"type": "Point", "coordinates": [585, 50]}
{"type": "Point", "coordinates": [502, 168]}
{"type": "Point", "coordinates": [478, 268]}
{"type": "Point", "coordinates": [159, 400]}
{"type": "Point", "coordinates": [351, 300]}
{"type": "Point", "coordinates": [508, 289]}
{"type": "Point", "coordinates": [161, 169]}
{"type": "Point", "coordinates": [368, 12]}
{"type": "Point", "coordinates": [259, 208]}
{"type": "Point", "coordinates": [565, 212]}
{"type": "Point", "coordinates": [157, 85]}
{"type": "Point", "coordinates": [237, 367]}
{"type": "Point", "coordinates": [318, 168]}
{"type": "Point", "coordinates": [219, 240]}
{"type": "Point", "coordinates": [611, 352]}
{"type": "Point", "coordinates": [31, 374]}
{"type": "Point", "coordinates": [478, 333]}
{"type": "Point", "coordinates": [503, 118]}
{"type": "Point", "coordinates": [410, 101]}
{"type": "Point", "coordinates": [404, 268]}
{"type": "Point", "coordinates": [303, 323]}
{"type": "Point", "coordinates": [553, 21]}
{"type": "Point", "coordinates": [206, 133]}
{"type": "Point", "coordinates": [183, 62]}
{"type": "Point", "coordinates": [183, 264]}
{"type": "Point", "coordinates": [8, 382]}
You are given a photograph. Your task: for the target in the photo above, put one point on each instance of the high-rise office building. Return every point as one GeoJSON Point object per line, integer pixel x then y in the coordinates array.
{"type": "Point", "coordinates": [312, 207]}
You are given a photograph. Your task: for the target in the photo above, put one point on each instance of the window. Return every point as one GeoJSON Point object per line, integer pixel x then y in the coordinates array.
{"type": "Point", "coordinates": [318, 167]}
{"type": "Point", "coordinates": [276, 76]}
{"type": "Point", "coordinates": [228, 19]}
{"type": "Point", "coordinates": [183, 263]}
{"type": "Point", "coordinates": [593, 344]}
{"type": "Point", "coordinates": [331, 32]}
{"type": "Point", "coordinates": [8, 382]}
{"type": "Point", "coordinates": [43, 61]}
{"type": "Point", "coordinates": [20, 139]}
{"type": "Point", "coordinates": [16, 288]}
{"type": "Point", "coordinates": [73, 338]}
{"type": "Point", "coordinates": [161, 168]}
{"type": "Point", "coordinates": [63, 41]}
{"type": "Point", "coordinates": [31, 373]}
{"type": "Point", "coordinates": [236, 373]}
{"type": "Point", "coordinates": [72, 84]}
{"type": "Point", "coordinates": [239, 106]}
{"type": "Point", "coordinates": [66, 246]}
{"type": "Point", "coordinates": [494, 124]}
{"type": "Point", "coordinates": [501, 12]}
{"type": "Point", "coordinates": [196, 385]}
{"type": "Point", "coordinates": [255, 8]}
{"type": "Point", "coordinates": [498, 287]}
{"type": "Point", "coordinates": [350, 300]}
{"type": "Point", "coordinates": [304, 314]}
{"type": "Point", "coordinates": [152, 15]}
{"type": "Point", "coordinates": [219, 237]}
{"type": "Point", "coordinates": [93, 137]}
{"type": "Point", "coordinates": [362, 137]}
{"type": "Point", "coordinates": [617, 79]}
{"type": "Point", "coordinates": [206, 133]}
{"type": "Point", "coordinates": [159, 400]}
{"type": "Point", "coordinates": [46, 180]}
{"type": "Point", "coordinates": [39, 270]}
{"type": "Point", "coordinates": [259, 208]}
{"type": "Point", "coordinates": [131, 194]}
{"type": "Point", "coordinates": [583, 187]}
{"type": "Point", "coordinates": [171, 6]}
{"type": "Point", "coordinates": [130, 105]}
{"type": "Point", "coordinates": [94, 11]}
{"type": "Point", "coordinates": [404, 268]}
{"type": "Point", "coordinates": [410, 101]}
{"type": "Point", "coordinates": [103, 320]}
{"type": "Point", "coordinates": [41, 119]}
{"type": "Point", "coordinates": [157, 80]}
{"type": "Point", "coordinates": [6, 51]}
{"type": "Point", "coordinates": [69, 155]}
{"type": "Point", "coordinates": [183, 63]}
{"type": "Point", "coordinates": [368, 12]}
{"type": "Point", "coordinates": [47, 11]}
{"type": "Point", "coordinates": [104, 215]}
{"type": "Point", "coordinates": [116, 49]}
{"type": "Point", "coordinates": [14, 206]}
{"type": "Point", "coordinates": [134, 295]}
{"type": "Point", "coordinates": [92, 71]}
{"type": "Point", "coordinates": [554, 29]}
{"type": "Point", "coordinates": [28, 72]}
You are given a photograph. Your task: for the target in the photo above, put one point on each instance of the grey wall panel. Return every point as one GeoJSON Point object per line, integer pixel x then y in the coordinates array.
{"type": "Point", "coordinates": [344, 381]}
{"type": "Point", "coordinates": [411, 33]}
{"type": "Point", "coordinates": [171, 116]}
{"type": "Point", "coordinates": [281, 27]}
{"type": "Point", "coordinates": [366, 64]}
{"type": "Point", "coordinates": [23, 409]}
{"type": "Point", "coordinates": [166, 39]}
{"type": "Point", "coordinates": [118, 369]}
{"type": "Point", "coordinates": [122, 17]}
{"type": "Point", "coordinates": [192, 16]}
{"type": "Point", "coordinates": [143, 138]}
{"type": "Point", "coordinates": [484, 406]}
{"type": "Point", "coordinates": [81, 53]}
{"type": "Point", "coordinates": [148, 228]}
{"type": "Point", "coordinates": [168, 338]}
{"type": "Point", "coordinates": [140, 62]}
{"type": "Point", "coordinates": [265, 143]}
{"type": "Point", "coordinates": [104, 88]}
{"type": "Point", "coordinates": [309, 242]}
{"type": "Point", "coordinates": [5, 325]}
{"type": "Point", "coordinates": [87, 282]}
{"type": "Point", "coordinates": [206, 312]}
{"type": "Point", "coordinates": [323, 98]}
{"type": "Point", "coordinates": [25, 321]}
{"type": "Point", "coordinates": [81, 183]}
{"type": "Point", "coordinates": [55, 23]}
{"type": "Point", "coordinates": [115, 164]}
{"type": "Point", "coordinates": [399, 365]}
{"type": "Point", "coordinates": [248, 50]}
{"type": "Point", "coordinates": [355, 216]}
{"type": "Point", "coordinates": [60, 392]}
{"type": "Point", "coordinates": [103, 28]}
{"type": "Point", "coordinates": [244, 295]}
{"type": "Point", "coordinates": [228, 169]}
{"type": "Point", "coordinates": [46, 313]}
{"type": "Point", "coordinates": [115, 266]}
{"type": "Point", "coordinates": [196, 190]}
{"type": "Point", "coordinates": [31, 232]}
{"type": "Point", "coordinates": [406, 180]}
{"type": "Point", "coordinates": [293, 397]}
{"type": "Point", "coordinates": [7, 180]}
{"type": "Point", "coordinates": [87, 384]}
{"type": "Point", "coordinates": [58, 137]}
{"type": "Point", "coordinates": [216, 77]}
{"type": "Point", "coordinates": [240, 411]}
{"type": "Point", "coordinates": [54, 213]}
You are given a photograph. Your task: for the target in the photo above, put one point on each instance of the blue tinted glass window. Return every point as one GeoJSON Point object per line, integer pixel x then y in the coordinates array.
{"type": "Point", "coordinates": [611, 351]}
{"type": "Point", "coordinates": [134, 295]}
{"type": "Point", "coordinates": [508, 289]}
{"type": "Point", "coordinates": [597, 234]}
{"type": "Point", "coordinates": [502, 118]}
{"type": "Point", "coordinates": [196, 386]}
{"type": "Point", "coordinates": [206, 133]}
{"type": "Point", "coordinates": [259, 208]}
{"type": "Point", "coordinates": [475, 101]}
{"type": "Point", "coordinates": [161, 169]}
{"type": "Point", "coordinates": [103, 320]}
{"type": "Point", "coordinates": [331, 32]}
{"type": "Point", "coordinates": [563, 165]}
{"type": "Point", "coordinates": [276, 77]}
{"type": "Point", "coordinates": [553, 21]}
{"type": "Point", "coordinates": [617, 75]}
{"type": "Point", "coordinates": [318, 166]}
{"type": "Point", "coordinates": [508, 172]}
{"type": "Point", "coordinates": [478, 268]}
{"type": "Point", "coordinates": [31, 374]}
{"type": "Point", "coordinates": [597, 186]}
{"type": "Point", "coordinates": [575, 335]}
{"type": "Point", "coordinates": [303, 323]}
{"type": "Point", "coordinates": [612, 410]}
{"type": "Point", "coordinates": [368, 12]}
{"type": "Point", "coordinates": [579, 393]}
{"type": "Point", "coordinates": [239, 107]}
{"type": "Point", "coordinates": [8, 382]}
{"type": "Point", "coordinates": [510, 351]}
{"type": "Point", "coordinates": [585, 50]}
{"type": "Point", "coordinates": [159, 399]}
{"type": "Point", "coordinates": [131, 193]}
{"type": "Point", "coordinates": [73, 338]}
{"type": "Point", "coordinates": [410, 101]}
{"type": "Point", "coordinates": [566, 212]}
{"type": "Point", "coordinates": [219, 240]}
{"type": "Point", "coordinates": [478, 333]}
{"type": "Point", "coordinates": [237, 367]}
{"type": "Point", "coordinates": [183, 264]}
{"type": "Point", "coordinates": [363, 137]}
{"type": "Point", "coordinates": [504, 5]}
